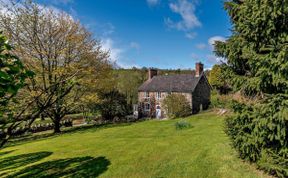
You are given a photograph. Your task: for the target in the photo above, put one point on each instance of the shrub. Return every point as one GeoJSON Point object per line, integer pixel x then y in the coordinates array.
{"type": "Point", "coordinates": [176, 105]}
{"type": "Point", "coordinates": [274, 163]}
{"type": "Point", "coordinates": [113, 105]}
{"type": "Point", "coordinates": [67, 123]}
{"type": "Point", "coordinates": [49, 126]}
{"type": "Point", "coordinates": [227, 101]}
{"type": "Point", "coordinates": [182, 125]}
{"type": "Point", "coordinates": [37, 128]}
{"type": "Point", "coordinates": [221, 101]}
{"type": "Point", "coordinates": [260, 133]}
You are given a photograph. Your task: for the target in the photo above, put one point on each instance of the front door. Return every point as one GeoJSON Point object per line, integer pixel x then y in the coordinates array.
{"type": "Point", "coordinates": [158, 112]}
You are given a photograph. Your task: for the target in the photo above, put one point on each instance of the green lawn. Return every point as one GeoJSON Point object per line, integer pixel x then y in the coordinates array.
{"type": "Point", "coordinates": [146, 149]}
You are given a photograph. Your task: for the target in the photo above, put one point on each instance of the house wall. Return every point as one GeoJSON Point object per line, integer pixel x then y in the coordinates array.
{"type": "Point", "coordinates": [201, 96]}
{"type": "Point", "coordinates": [153, 101]}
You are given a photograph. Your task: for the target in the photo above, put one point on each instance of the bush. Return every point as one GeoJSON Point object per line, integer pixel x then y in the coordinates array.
{"type": "Point", "coordinates": [274, 163]}
{"type": "Point", "coordinates": [180, 125]}
{"type": "Point", "coordinates": [176, 105]}
{"type": "Point", "coordinates": [113, 105]}
{"type": "Point", "coordinates": [49, 126]}
{"type": "Point", "coordinates": [37, 128]}
{"type": "Point", "coordinates": [260, 133]}
{"type": "Point", "coordinates": [221, 101]}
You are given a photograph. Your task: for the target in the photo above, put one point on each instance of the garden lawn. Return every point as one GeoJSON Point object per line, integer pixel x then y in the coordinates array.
{"type": "Point", "coordinates": [145, 149]}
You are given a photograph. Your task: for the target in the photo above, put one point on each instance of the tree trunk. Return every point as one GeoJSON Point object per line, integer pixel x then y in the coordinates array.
{"type": "Point", "coordinates": [3, 142]}
{"type": "Point", "coordinates": [57, 125]}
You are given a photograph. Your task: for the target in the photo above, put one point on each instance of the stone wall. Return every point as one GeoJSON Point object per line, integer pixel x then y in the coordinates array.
{"type": "Point", "coordinates": [199, 99]}
{"type": "Point", "coordinates": [153, 101]}
{"type": "Point", "coordinates": [201, 96]}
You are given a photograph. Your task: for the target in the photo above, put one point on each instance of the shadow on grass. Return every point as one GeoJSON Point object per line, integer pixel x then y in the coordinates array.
{"type": "Point", "coordinates": [70, 167]}
{"type": "Point", "coordinates": [13, 162]}
{"type": "Point", "coordinates": [5, 152]}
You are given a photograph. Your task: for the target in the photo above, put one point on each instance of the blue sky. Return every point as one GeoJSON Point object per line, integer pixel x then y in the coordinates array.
{"type": "Point", "coordinates": [153, 33]}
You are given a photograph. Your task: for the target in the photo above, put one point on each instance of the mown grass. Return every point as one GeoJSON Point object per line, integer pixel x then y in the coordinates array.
{"type": "Point", "coordinates": [145, 149]}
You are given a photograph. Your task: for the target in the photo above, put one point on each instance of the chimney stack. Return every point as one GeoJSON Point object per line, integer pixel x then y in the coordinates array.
{"type": "Point", "coordinates": [152, 73]}
{"type": "Point", "coordinates": [199, 69]}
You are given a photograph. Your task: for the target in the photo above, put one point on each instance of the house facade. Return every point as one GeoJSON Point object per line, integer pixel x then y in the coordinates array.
{"type": "Point", "coordinates": [195, 87]}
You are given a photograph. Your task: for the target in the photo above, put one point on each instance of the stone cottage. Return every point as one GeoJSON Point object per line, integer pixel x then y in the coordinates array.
{"type": "Point", "coordinates": [195, 87]}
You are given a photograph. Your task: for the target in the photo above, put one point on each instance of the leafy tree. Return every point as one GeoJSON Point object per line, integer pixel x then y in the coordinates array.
{"type": "Point", "coordinates": [217, 79]}
{"type": "Point", "coordinates": [113, 104]}
{"type": "Point", "coordinates": [257, 64]}
{"type": "Point", "coordinates": [128, 82]}
{"type": "Point", "coordinates": [176, 105]}
{"type": "Point", "coordinates": [98, 78]}
{"type": "Point", "coordinates": [12, 74]}
{"type": "Point", "coordinates": [59, 49]}
{"type": "Point", "coordinates": [13, 81]}
{"type": "Point", "coordinates": [12, 78]}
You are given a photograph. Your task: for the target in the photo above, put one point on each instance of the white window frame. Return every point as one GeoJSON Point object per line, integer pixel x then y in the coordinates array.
{"type": "Point", "coordinates": [158, 95]}
{"type": "Point", "coordinates": [145, 108]}
{"type": "Point", "coordinates": [146, 95]}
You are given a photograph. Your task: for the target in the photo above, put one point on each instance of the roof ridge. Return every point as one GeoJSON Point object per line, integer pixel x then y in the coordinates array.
{"type": "Point", "coordinates": [175, 75]}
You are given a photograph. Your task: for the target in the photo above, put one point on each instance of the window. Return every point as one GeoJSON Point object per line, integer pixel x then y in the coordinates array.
{"type": "Point", "coordinates": [146, 95]}
{"type": "Point", "coordinates": [158, 95]}
{"type": "Point", "coordinates": [147, 107]}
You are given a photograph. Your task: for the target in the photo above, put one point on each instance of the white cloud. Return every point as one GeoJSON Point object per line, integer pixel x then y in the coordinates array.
{"type": "Point", "coordinates": [8, 6]}
{"type": "Point", "coordinates": [134, 45]}
{"type": "Point", "coordinates": [104, 30]}
{"type": "Point", "coordinates": [186, 10]}
{"type": "Point", "coordinates": [194, 56]}
{"type": "Point", "coordinates": [153, 2]}
{"type": "Point", "coordinates": [115, 53]}
{"type": "Point", "coordinates": [108, 29]}
{"type": "Point", "coordinates": [201, 46]}
{"type": "Point", "coordinates": [215, 59]}
{"type": "Point", "coordinates": [212, 58]}
{"type": "Point", "coordinates": [191, 35]}
{"type": "Point", "coordinates": [213, 39]}
{"type": "Point", "coordinates": [128, 64]}
{"type": "Point", "coordinates": [3, 10]}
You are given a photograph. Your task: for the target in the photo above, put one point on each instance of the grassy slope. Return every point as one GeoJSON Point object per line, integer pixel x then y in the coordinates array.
{"type": "Point", "coordinates": [146, 149]}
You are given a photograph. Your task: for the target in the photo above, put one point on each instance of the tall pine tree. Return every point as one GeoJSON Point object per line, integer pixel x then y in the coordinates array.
{"type": "Point", "coordinates": [257, 64]}
{"type": "Point", "coordinates": [257, 51]}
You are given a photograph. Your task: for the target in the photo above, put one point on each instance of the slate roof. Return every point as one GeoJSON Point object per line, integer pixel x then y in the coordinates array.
{"type": "Point", "coordinates": [185, 83]}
